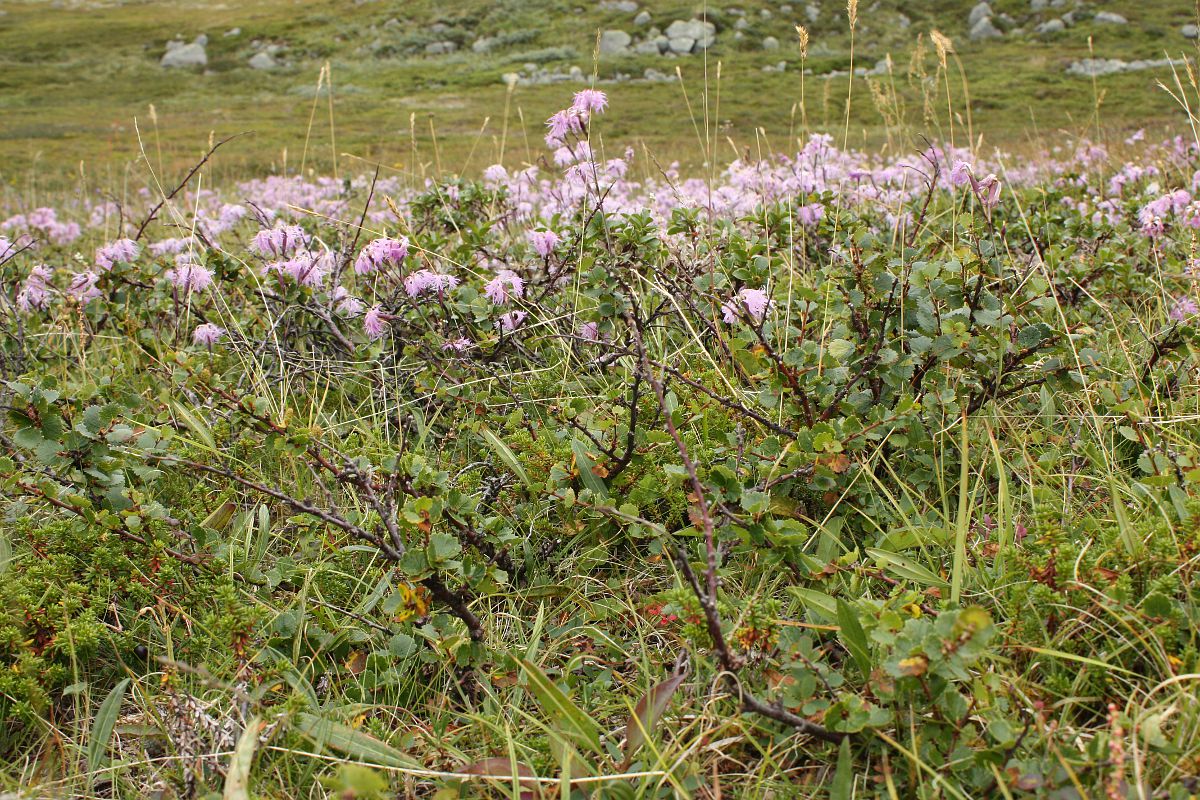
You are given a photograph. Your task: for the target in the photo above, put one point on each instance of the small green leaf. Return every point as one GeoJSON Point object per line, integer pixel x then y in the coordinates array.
{"type": "Point", "coordinates": [906, 568]}
{"type": "Point", "coordinates": [351, 742]}
{"type": "Point", "coordinates": [585, 465]}
{"type": "Point", "coordinates": [506, 455]}
{"type": "Point", "coordinates": [853, 636]}
{"type": "Point", "coordinates": [571, 719]}
{"type": "Point", "coordinates": [102, 725]}
{"type": "Point", "coordinates": [842, 786]}
{"type": "Point", "coordinates": [442, 547]}
{"type": "Point", "coordinates": [402, 645]}
{"type": "Point", "coordinates": [237, 779]}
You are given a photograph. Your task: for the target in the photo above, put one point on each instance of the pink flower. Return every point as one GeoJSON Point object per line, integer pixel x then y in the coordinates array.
{"type": "Point", "coordinates": [495, 175]}
{"type": "Point", "coordinates": [507, 284]}
{"type": "Point", "coordinates": [83, 287]}
{"type": "Point", "coordinates": [988, 191]}
{"type": "Point", "coordinates": [190, 277]}
{"type": "Point", "coordinates": [169, 247]}
{"type": "Point", "coordinates": [307, 269]}
{"type": "Point", "coordinates": [543, 242]}
{"type": "Point", "coordinates": [810, 214]}
{"type": "Point", "coordinates": [1184, 308]}
{"type": "Point", "coordinates": [511, 321]}
{"type": "Point", "coordinates": [345, 303]}
{"type": "Point", "coordinates": [374, 323]}
{"type": "Point", "coordinates": [457, 345]}
{"type": "Point", "coordinates": [427, 281]}
{"type": "Point", "coordinates": [122, 250]}
{"type": "Point", "coordinates": [35, 292]}
{"type": "Point", "coordinates": [754, 302]}
{"type": "Point", "coordinates": [561, 124]}
{"type": "Point", "coordinates": [380, 253]}
{"type": "Point", "coordinates": [280, 242]}
{"type": "Point", "coordinates": [590, 331]}
{"type": "Point", "coordinates": [207, 334]}
{"type": "Point", "coordinates": [960, 173]}
{"type": "Point", "coordinates": [590, 101]}
{"type": "Point", "coordinates": [563, 156]}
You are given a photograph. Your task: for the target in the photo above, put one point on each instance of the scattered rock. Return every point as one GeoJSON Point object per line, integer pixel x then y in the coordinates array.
{"type": "Point", "coordinates": [642, 19]}
{"type": "Point", "coordinates": [483, 44]}
{"type": "Point", "coordinates": [185, 55]}
{"type": "Point", "coordinates": [980, 12]}
{"type": "Point", "coordinates": [652, 75]}
{"type": "Point", "coordinates": [765, 13]}
{"type": "Point", "coordinates": [985, 29]}
{"type": "Point", "coordinates": [1190, 31]}
{"type": "Point", "coordinates": [624, 6]}
{"type": "Point", "coordinates": [695, 34]}
{"type": "Point", "coordinates": [1110, 18]}
{"type": "Point", "coordinates": [202, 40]}
{"type": "Point", "coordinates": [812, 12]}
{"type": "Point", "coordinates": [229, 34]}
{"type": "Point", "coordinates": [1051, 26]}
{"type": "Point", "coordinates": [681, 45]}
{"type": "Point", "coordinates": [263, 60]}
{"type": "Point", "coordinates": [440, 48]}
{"type": "Point", "coordinates": [785, 8]}
{"type": "Point", "coordinates": [614, 43]}
{"type": "Point", "coordinates": [1038, 6]}
{"type": "Point", "coordinates": [1098, 67]}
{"type": "Point", "coordinates": [770, 43]}
{"type": "Point", "coordinates": [742, 24]}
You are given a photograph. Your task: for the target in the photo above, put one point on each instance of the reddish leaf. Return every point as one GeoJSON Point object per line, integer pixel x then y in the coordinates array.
{"type": "Point", "coordinates": [647, 714]}
{"type": "Point", "coordinates": [496, 767]}
{"type": "Point", "coordinates": [501, 769]}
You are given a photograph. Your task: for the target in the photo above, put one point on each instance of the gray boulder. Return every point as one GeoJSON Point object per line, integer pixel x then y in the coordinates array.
{"type": "Point", "coordinates": [812, 12]}
{"type": "Point", "coordinates": [1037, 6]}
{"type": "Point", "coordinates": [985, 29]}
{"type": "Point", "coordinates": [680, 45]}
{"type": "Point", "coordinates": [483, 44]}
{"type": "Point", "coordinates": [263, 60]}
{"type": "Point", "coordinates": [1190, 31]}
{"type": "Point", "coordinates": [184, 55]}
{"type": "Point", "coordinates": [770, 43]}
{"type": "Point", "coordinates": [703, 34]}
{"type": "Point", "coordinates": [1051, 26]}
{"type": "Point", "coordinates": [614, 43]}
{"type": "Point", "coordinates": [1110, 18]}
{"type": "Point", "coordinates": [642, 19]}
{"type": "Point", "coordinates": [440, 48]}
{"type": "Point", "coordinates": [624, 6]}
{"type": "Point", "coordinates": [980, 12]}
